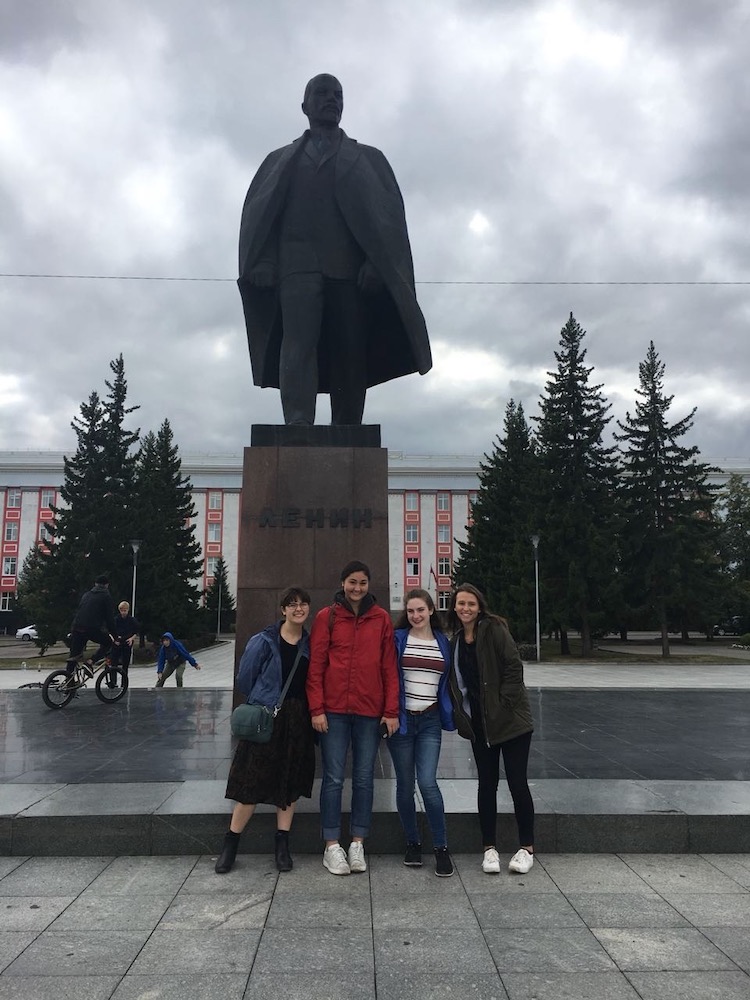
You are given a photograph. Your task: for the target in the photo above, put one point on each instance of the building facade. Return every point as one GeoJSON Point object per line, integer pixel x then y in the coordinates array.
{"type": "Point", "coordinates": [429, 508]}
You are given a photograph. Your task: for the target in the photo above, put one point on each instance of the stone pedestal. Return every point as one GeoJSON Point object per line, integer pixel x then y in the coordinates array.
{"type": "Point", "coordinates": [307, 510]}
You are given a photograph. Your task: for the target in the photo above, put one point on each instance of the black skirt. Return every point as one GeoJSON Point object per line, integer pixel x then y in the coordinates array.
{"type": "Point", "coordinates": [279, 772]}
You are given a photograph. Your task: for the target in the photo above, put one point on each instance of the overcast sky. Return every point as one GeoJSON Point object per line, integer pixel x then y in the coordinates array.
{"type": "Point", "coordinates": [548, 152]}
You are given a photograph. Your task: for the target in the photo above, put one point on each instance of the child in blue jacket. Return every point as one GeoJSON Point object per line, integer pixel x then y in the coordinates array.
{"type": "Point", "coordinates": [172, 658]}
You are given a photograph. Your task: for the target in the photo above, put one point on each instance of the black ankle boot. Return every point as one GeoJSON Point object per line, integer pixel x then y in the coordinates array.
{"type": "Point", "coordinates": [284, 861]}
{"type": "Point", "coordinates": [225, 860]}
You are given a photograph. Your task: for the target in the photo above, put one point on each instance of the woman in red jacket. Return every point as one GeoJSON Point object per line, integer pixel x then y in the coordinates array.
{"type": "Point", "coordinates": [352, 691]}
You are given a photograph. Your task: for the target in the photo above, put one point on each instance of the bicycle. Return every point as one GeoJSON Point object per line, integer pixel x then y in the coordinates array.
{"type": "Point", "coordinates": [59, 688]}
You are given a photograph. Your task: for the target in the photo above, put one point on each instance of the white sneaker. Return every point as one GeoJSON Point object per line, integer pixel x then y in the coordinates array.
{"type": "Point", "coordinates": [357, 861]}
{"type": "Point", "coordinates": [491, 862]}
{"type": "Point", "coordinates": [521, 862]}
{"type": "Point", "coordinates": [334, 859]}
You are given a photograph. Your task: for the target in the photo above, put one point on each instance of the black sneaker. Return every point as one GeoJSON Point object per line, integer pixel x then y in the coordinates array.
{"type": "Point", "coordinates": [413, 856]}
{"type": "Point", "coordinates": [443, 863]}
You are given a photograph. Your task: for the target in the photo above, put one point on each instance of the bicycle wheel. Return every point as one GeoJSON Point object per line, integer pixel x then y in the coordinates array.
{"type": "Point", "coordinates": [55, 690]}
{"type": "Point", "coordinates": [111, 684]}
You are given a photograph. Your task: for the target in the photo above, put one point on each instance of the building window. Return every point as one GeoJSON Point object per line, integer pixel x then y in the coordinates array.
{"type": "Point", "coordinates": [412, 533]}
{"type": "Point", "coordinates": [443, 501]}
{"type": "Point", "coordinates": [5, 601]}
{"type": "Point", "coordinates": [45, 535]}
{"type": "Point", "coordinates": [9, 566]}
{"type": "Point", "coordinates": [444, 600]}
{"type": "Point", "coordinates": [48, 499]}
{"type": "Point", "coordinates": [412, 566]}
{"type": "Point", "coordinates": [14, 498]}
{"type": "Point", "coordinates": [214, 501]}
{"type": "Point", "coordinates": [214, 532]}
{"type": "Point", "coordinates": [412, 501]}
{"type": "Point", "coordinates": [444, 566]}
{"type": "Point", "coordinates": [211, 563]}
{"type": "Point", "coordinates": [11, 531]}
{"type": "Point", "coordinates": [443, 532]}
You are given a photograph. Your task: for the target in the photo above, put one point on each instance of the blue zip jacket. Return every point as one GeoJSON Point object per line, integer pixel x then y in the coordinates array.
{"type": "Point", "coordinates": [259, 676]}
{"type": "Point", "coordinates": [445, 706]}
{"type": "Point", "coordinates": [175, 645]}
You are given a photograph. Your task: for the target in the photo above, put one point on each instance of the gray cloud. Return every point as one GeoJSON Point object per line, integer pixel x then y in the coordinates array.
{"type": "Point", "coordinates": [545, 142]}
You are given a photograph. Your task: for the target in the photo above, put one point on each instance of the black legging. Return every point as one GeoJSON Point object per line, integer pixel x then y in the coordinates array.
{"type": "Point", "coordinates": [515, 760]}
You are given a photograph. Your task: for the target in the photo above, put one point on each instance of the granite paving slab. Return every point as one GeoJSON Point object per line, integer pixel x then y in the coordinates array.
{"type": "Point", "coordinates": [662, 949]}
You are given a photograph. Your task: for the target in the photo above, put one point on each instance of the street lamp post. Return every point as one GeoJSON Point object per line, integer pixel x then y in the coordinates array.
{"type": "Point", "coordinates": [135, 544]}
{"type": "Point", "coordinates": [535, 543]}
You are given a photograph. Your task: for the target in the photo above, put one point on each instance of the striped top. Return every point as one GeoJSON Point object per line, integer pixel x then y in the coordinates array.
{"type": "Point", "coordinates": [423, 665]}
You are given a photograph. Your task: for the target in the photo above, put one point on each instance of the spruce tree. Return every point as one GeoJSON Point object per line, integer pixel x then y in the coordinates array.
{"type": "Point", "coordinates": [669, 534]}
{"type": "Point", "coordinates": [91, 528]}
{"type": "Point", "coordinates": [497, 555]}
{"type": "Point", "coordinates": [169, 561]}
{"type": "Point", "coordinates": [37, 602]}
{"type": "Point", "coordinates": [219, 601]}
{"type": "Point", "coordinates": [735, 542]}
{"type": "Point", "coordinates": [577, 551]}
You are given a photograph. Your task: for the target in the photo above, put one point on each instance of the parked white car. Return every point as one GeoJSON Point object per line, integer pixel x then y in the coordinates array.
{"type": "Point", "coordinates": [27, 634]}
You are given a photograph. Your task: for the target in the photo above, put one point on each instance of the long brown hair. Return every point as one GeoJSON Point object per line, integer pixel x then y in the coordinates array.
{"type": "Point", "coordinates": [436, 622]}
{"type": "Point", "coordinates": [454, 624]}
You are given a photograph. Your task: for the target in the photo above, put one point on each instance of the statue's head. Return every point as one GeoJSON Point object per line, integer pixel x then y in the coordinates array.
{"type": "Point", "coordinates": [323, 103]}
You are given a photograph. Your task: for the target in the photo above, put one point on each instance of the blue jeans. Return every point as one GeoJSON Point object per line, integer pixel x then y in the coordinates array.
{"type": "Point", "coordinates": [363, 734]}
{"type": "Point", "coordinates": [416, 752]}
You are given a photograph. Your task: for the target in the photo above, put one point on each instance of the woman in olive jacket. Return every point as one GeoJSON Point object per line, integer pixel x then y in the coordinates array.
{"type": "Point", "coordinates": [491, 708]}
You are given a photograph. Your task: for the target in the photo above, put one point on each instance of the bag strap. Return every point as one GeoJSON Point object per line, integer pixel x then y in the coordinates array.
{"type": "Point", "coordinates": [292, 672]}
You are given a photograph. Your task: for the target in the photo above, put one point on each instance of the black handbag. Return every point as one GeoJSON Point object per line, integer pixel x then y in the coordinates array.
{"type": "Point", "coordinates": [254, 722]}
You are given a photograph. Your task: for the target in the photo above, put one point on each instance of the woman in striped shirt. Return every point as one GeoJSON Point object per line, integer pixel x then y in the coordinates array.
{"type": "Point", "coordinates": [424, 711]}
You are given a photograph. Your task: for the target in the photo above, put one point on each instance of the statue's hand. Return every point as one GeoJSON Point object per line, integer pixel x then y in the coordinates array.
{"type": "Point", "coordinates": [368, 279]}
{"type": "Point", "coordinates": [263, 275]}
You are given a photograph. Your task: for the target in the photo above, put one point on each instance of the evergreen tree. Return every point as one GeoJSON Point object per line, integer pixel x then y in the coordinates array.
{"type": "Point", "coordinates": [497, 554]}
{"type": "Point", "coordinates": [577, 548]}
{"type": "Point", "coordinates": [219, 601]}
{"type": "Point", "coordinates": [169, 561]}
{"type": "Point", "coordinates": [734, 504]}
{"type": "Point", "coordinates": [90, 531]}
{"type": "Point", "coordinates": [36, 601]}
{"type": "Point", "coordinates": [669, 535]}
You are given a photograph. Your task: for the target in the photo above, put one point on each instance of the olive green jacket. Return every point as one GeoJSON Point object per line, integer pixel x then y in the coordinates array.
{"type": "Point", "coordinates": [503, 697]}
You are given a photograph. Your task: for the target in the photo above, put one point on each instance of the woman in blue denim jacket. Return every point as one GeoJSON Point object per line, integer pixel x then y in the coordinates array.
{"type": "Point", "coordinates": [282, 770]}
{"type": "Point", "coordinates": [424, 711]}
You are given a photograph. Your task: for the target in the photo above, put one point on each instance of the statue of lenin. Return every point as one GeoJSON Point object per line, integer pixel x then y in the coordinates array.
{"type": "Point", "coordinates": [326, 274]}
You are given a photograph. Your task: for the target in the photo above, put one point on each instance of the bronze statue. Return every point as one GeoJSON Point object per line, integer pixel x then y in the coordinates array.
{"type": "Point", "coordinates": [326, 274]}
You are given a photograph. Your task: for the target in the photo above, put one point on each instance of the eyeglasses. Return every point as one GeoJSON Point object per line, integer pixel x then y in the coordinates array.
{"type": "Point", "coordinates": [298, 604]}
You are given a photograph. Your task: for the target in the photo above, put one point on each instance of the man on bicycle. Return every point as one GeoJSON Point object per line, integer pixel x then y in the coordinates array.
{"type": "Point", "coordinates": [94, 621]}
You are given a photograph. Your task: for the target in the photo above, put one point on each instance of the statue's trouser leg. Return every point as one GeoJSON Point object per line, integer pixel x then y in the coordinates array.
{"type": "Point", "coordinates": [346, 317]}
{"type": "Point", "coordinates": [301, 298]}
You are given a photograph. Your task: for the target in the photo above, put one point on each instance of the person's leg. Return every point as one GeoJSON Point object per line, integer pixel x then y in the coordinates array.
{"type": "Point", "coordinates": [105, 644]}
{"type": "Point", "coordinates": [301, 301]}
{"type": "Point", "coordinates": [401, 749]}
{"type": "Point", "coordinates": [334, 746]}
{"type": "Point", "coordinates": [488, 772]}
{"type": "Point", "coordinates": [180, 673]}
{"type": "Point", "coordinates": [365, 742]}
{"type": "Point", "coordinates": [126, 654]}
{"type": "Point", "coordinates": [516, 762]}
{"type": "Point", "coordinates": [240, 816]}
{"type": "Point", "coordinates": [347, 317]}
{"type": "Point", "coordinates": [284, 817]}
{"type": "Point", "coordinates": [427, 754]}
{"type": "Point", "coordinates": [166, 673]}
{"type": "Point", "coordinates": [77, 646]}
